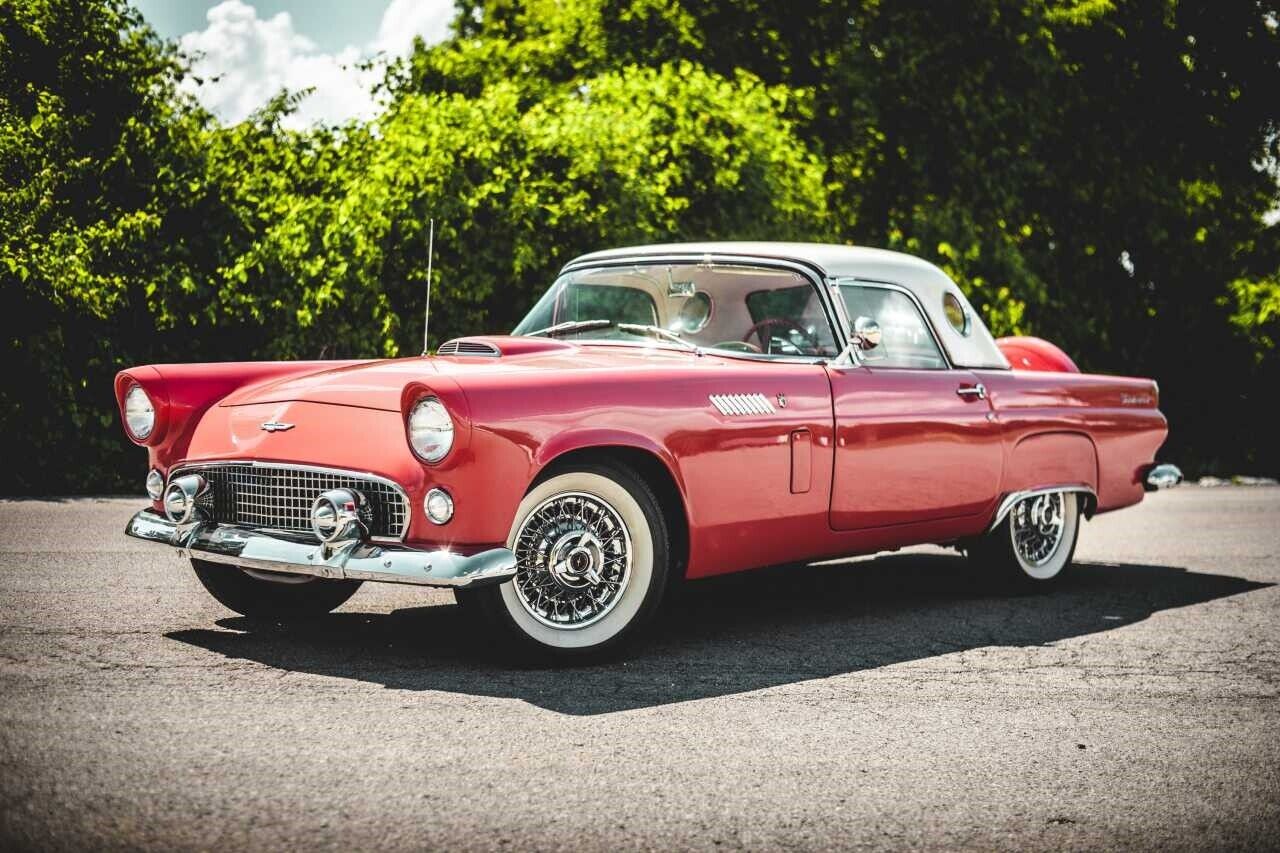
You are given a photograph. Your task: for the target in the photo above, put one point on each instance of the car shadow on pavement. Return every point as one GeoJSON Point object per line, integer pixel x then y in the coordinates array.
{"type": "Point", "coordinates": [732, 634]}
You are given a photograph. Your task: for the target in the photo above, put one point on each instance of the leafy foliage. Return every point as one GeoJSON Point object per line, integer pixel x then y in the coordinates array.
{"type": "Point", "coordinates": [1090, 171]}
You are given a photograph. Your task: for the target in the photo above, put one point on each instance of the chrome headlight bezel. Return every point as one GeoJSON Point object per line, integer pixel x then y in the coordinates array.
{"type": "Point", "coordinates": [139, 413]}
{"type": "Point", "coordinates": [429, 429]}
{"type": "Point", "coordinates": [437, 505]}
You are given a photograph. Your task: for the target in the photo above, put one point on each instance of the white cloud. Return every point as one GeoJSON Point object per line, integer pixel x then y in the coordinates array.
{"type": "Point", "coordinates": [244, 60]}
{"type": "Point", "coordinates": [405, 19]}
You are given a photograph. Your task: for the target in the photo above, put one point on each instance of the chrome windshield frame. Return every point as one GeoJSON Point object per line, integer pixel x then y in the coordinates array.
{"type": "Point", "coordinates": [814, 275]}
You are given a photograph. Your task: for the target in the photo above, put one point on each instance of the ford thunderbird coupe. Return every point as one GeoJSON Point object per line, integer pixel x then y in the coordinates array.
{"type": "Point", "coordinates": [662, 414]}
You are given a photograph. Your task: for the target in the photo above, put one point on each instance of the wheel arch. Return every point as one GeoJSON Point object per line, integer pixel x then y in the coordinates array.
{"type": "Point", "coordinates": [1053, 457]}
{"type": "Point", "coordinates": [649, 463]}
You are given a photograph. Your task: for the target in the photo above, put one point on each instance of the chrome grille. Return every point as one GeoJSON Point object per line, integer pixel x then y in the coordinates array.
{"type": "Point", "coordinates": [279, 497]}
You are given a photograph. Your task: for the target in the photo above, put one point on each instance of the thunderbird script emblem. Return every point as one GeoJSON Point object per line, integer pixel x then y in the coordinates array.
{"type": "Point", "coordinates": [276, 426]}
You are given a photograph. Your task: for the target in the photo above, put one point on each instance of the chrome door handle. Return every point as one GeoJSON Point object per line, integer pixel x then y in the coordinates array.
{"type": "Point", "coordinates": [979, 391]}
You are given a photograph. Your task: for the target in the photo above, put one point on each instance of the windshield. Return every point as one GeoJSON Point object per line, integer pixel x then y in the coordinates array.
{"type": "Point", "coordinates": [744, 309]}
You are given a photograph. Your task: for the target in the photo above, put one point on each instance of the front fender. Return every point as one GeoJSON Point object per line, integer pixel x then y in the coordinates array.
{"type": "Point", "coordinates": [590, 438]}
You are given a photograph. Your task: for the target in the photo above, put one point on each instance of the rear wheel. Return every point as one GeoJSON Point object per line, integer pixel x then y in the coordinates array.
{"type": "Point", "coordinates": [592, 561]}
{"type": "Point", "coordinates": [1032, 547]}
{"type": "Point", "coordinates": [272, 595]}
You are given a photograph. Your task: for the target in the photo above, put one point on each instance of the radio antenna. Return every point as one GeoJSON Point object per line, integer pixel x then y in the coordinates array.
{"type": "Point", "coordinates": [426, 320]}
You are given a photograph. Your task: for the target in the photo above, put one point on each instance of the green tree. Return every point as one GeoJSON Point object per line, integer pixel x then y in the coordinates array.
{"type": "Point", "coordinates": [1088, 170]}
{"type": "Point", "coordinates": [97, 154]}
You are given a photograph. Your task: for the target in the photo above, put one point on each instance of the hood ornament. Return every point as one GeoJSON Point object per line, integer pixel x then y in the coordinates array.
{"type": "Point", "coordinates": [276, 426]}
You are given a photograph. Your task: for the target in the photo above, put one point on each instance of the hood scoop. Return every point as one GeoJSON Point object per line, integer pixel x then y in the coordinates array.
{"type": "Point", "coordinates": [469, 347]}
{"type": "Point", "coordinates": [501, 346]}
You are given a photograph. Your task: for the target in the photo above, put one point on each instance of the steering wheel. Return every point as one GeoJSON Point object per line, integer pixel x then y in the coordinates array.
{"type": "Point", "coordinates": [785, 322]}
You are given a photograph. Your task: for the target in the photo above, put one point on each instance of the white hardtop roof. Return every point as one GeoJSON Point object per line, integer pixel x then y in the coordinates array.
{"type": "Point", "coordinates": [976, 349]}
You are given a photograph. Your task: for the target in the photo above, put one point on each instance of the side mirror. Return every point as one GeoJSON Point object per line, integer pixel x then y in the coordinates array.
{"type": "Point", "coordinates": [866, 333]}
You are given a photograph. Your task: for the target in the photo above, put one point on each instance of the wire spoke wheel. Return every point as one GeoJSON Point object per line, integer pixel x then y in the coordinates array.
{"type": "Point", "coordinates": [1038, 524]}
{"type": "Point", "coordinates": [573, 560]}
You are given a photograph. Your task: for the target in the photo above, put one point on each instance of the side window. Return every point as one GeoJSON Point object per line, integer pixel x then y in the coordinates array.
{"type": "Point", "coordinates": [788, 320]}
{"type": "Point", "coordinates": [905, 339]}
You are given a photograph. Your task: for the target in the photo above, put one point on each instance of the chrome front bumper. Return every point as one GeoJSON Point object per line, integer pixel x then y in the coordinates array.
{"type": "Point", "coordinates": [252, 548]}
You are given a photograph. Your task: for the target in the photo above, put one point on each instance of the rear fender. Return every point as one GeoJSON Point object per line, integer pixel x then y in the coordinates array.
{"type": "Point", "coordinates": [1051, 459]}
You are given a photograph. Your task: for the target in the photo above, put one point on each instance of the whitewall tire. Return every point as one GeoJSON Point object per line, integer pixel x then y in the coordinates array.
{"type": "Point", "coordinates": [592, 556]}
{"type": "Point", "coordinates": [1033, 545]}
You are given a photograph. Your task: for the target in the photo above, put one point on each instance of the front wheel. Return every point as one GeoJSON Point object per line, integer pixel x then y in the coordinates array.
{"type": "Point", "coordinates": [592, 560]}
{"type": "Point", "coordinates": [271, 595]}
{"type": "Point", "coordinates": [1031, 549]}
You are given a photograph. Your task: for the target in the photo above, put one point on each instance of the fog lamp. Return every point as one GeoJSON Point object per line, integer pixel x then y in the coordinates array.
{"type": "Point", "coordinates": [181, 496]}
{"type": "Point", "coordinates": [439, 506]}
{"type": "Point", "coordinates": [155, 485]}
{"type": "Point", "coordinates": [335, 515]}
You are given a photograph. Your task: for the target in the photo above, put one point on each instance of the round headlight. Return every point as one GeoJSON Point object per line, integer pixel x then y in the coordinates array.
{"type": "Point", "coordinates": [430, 430]}
{"type": "Point", "coordinates": [139, 414]}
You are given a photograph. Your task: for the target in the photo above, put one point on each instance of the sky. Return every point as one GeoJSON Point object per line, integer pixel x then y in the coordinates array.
{"type": "Point", "coordinates": [246, 51]}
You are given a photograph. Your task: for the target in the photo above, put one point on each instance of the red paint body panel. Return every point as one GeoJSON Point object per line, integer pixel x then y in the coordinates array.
{"type": "Point", "coordinates": [909, 449]}
{"type": "Point", "coordinates": [918, 463]}
{"type": "Point", "coordinates": [1117, 414]}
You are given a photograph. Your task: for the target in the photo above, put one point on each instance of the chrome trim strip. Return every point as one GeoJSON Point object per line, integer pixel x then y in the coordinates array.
{"type": "Point", "coordinates": [252, 548]}
{"type": "Point", "coordinates": [1013, 498]}
{"type": "Point", "coordinates": [188, 464]}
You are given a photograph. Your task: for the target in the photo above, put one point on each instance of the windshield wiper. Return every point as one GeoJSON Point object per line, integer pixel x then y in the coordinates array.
{"type": "Point", "coordinates": [569, 327]}
{"type": "Point", "coordinates": [665, 334]}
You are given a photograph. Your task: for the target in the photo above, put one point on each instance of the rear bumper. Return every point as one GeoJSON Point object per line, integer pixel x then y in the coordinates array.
{"type": "Point", "coordinates": [252, 548]}
{"type": "Point", "coordinates": [1162, 476]}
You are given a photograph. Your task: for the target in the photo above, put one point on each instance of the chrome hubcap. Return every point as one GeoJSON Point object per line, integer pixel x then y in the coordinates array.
{"type": "Point", "coordinates": [573, 560]}
{"type": "Point", "coordinates": [1038, 524]}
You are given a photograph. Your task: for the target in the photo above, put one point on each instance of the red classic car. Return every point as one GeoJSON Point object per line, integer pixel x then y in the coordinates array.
{"type": "Point", "coordinates": [662, 413]}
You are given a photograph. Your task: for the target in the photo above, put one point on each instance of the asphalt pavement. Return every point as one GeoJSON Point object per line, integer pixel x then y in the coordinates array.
{"type": "Point", "coordinates": [876, 703]}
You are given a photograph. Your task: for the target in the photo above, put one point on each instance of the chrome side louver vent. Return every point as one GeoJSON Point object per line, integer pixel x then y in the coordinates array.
{"type": "Point", "coordinates": [475, 348]}
{"type": "Point", "coordinates": [736, 405]}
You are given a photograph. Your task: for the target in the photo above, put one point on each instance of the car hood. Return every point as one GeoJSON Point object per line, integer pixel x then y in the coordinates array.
{"type": "Point", "coordinates": [379, 384]}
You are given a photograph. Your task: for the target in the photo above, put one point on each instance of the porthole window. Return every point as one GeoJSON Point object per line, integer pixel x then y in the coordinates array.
{"type": "Point", "coordinates": [694, 315]}
{"type": "Point", "coordinates": [957, 314]}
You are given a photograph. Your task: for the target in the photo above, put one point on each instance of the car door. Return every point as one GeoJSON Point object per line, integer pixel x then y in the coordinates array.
{"type": "Point", "coordinates": [916, 439]}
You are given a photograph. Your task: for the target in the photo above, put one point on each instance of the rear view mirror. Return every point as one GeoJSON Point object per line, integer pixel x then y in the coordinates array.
{"type": "Point", "coordinates": [866, 333]}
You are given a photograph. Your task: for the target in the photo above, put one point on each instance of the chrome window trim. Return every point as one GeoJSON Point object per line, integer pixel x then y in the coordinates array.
{"type": "Point", "coordinates": [190, 464]}
{"type": "Point", "coordinates": [841, 281]}
{"type": "Point", "coordinates": [811, 273]}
